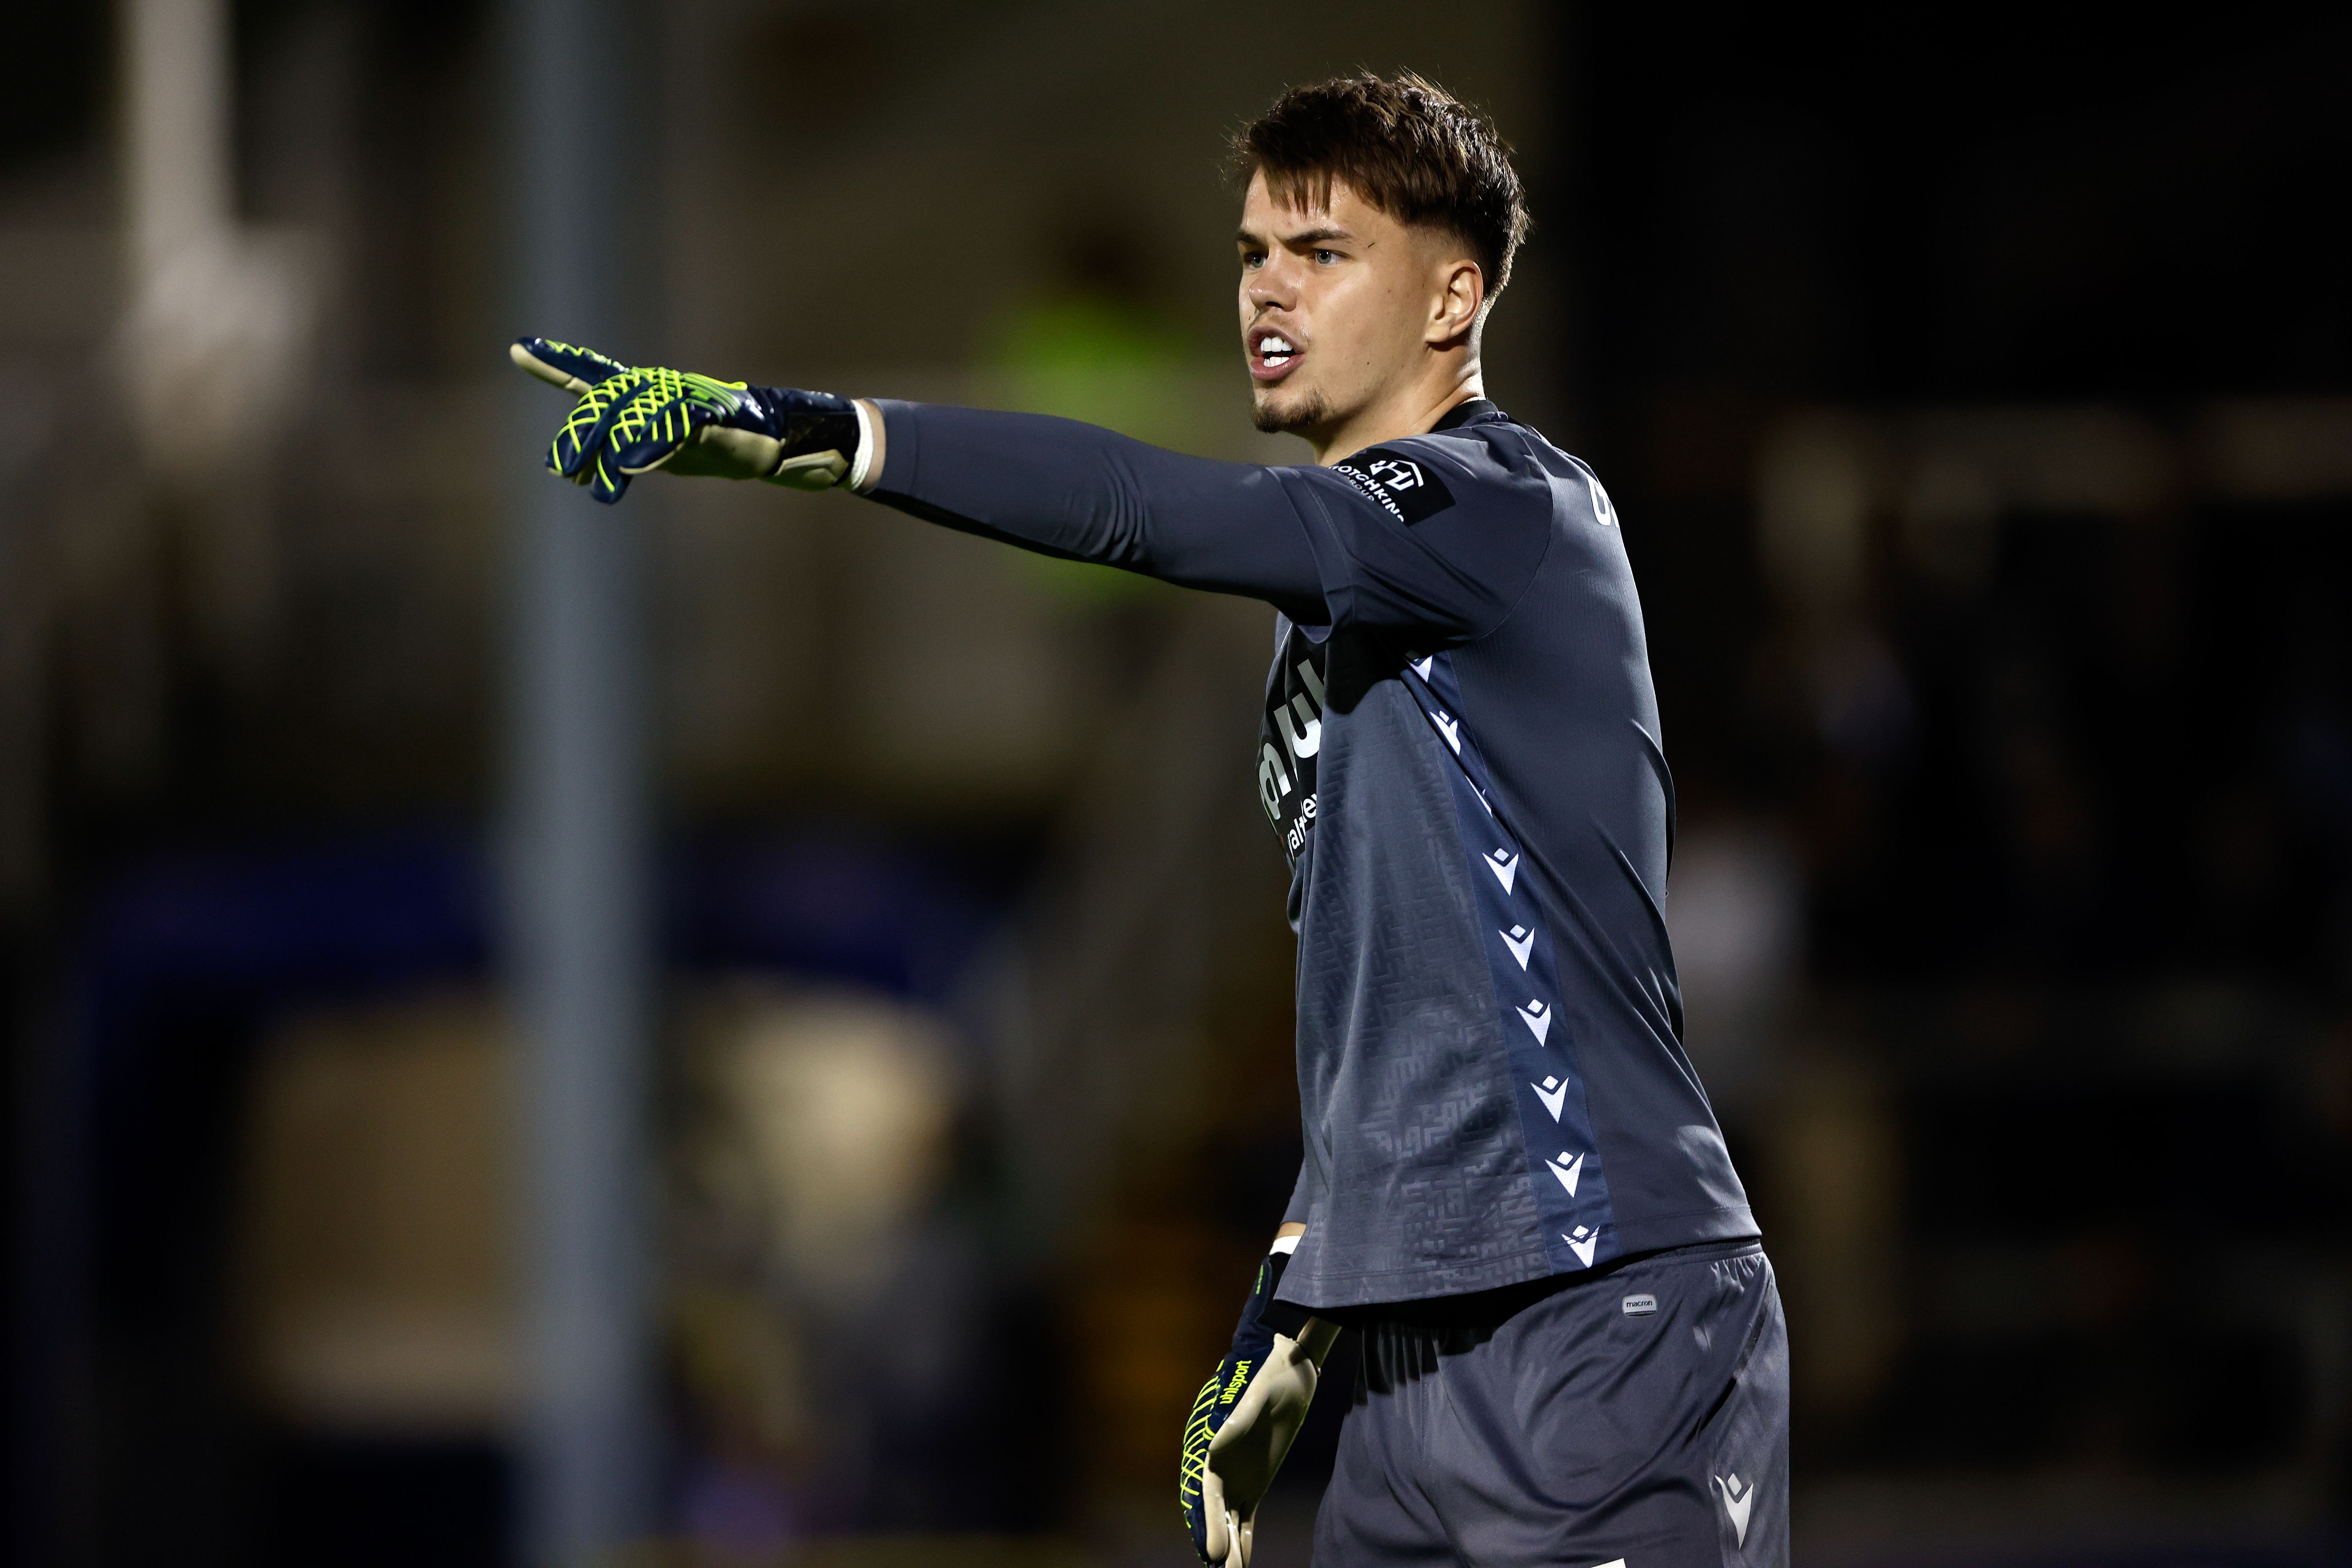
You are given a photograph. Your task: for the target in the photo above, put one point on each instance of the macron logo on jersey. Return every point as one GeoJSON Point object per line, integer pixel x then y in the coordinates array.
{"type": "Point", "coordinates": [1554, 1095]}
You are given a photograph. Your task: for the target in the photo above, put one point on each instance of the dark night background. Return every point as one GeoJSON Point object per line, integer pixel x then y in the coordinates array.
{"type": "Point", "coordinates": [1975, 384]}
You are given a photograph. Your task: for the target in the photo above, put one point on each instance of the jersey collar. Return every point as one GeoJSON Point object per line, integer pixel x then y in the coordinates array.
{"type": "Point", "coordinates": [1461, 413]}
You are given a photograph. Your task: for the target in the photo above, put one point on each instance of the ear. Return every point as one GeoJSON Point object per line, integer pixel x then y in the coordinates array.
{"type": "Point", "coordinates": [1461, 294]}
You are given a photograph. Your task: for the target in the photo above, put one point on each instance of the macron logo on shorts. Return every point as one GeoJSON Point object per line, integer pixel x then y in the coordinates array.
{"type": "Point", "coordinates": [1739, 1496]}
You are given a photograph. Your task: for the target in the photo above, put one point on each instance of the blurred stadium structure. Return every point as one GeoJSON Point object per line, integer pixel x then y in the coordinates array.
{"type": "Point", "coordinates": [1978, 392]}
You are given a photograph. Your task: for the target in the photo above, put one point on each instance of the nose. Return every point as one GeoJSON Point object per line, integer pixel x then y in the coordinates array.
{"type": "Point", "coordinates": [1274, 286]}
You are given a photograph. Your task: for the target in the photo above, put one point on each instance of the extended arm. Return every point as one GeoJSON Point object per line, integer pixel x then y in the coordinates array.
{"type": "Point", "coordinates": [1377, 542]}
{"type": "Point", "coordinates": [1077, 491]}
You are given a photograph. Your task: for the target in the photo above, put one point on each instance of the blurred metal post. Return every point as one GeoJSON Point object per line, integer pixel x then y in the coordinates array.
{"type": "Point", "coordinates": [176, 176]}
{"type": "Point", "coordinates": [579, 891]}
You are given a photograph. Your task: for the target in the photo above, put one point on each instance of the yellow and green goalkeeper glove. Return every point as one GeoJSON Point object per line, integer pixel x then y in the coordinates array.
{"type": "Point", "coordinates": [631, 420]}
{"type": "Point", "coordinates": [1244, 1421]}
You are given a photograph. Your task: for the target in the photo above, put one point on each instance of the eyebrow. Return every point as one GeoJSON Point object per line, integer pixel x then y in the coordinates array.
{"type": "Point", "coordinates": [1305, 236]}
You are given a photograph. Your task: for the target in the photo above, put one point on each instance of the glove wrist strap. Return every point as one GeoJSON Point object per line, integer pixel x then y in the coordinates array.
{"type": "Point", "coordinates": [807, 425]}
{"type": "Point", "coordinates": [862, 463]}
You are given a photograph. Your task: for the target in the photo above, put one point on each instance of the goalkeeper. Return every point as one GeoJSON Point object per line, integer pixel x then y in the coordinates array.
{"type": "Point", "coordinates": [1514, 1188]}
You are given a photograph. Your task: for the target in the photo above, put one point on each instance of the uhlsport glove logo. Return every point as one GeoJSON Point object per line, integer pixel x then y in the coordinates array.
{"type": "Point", "coordinates": [1253, 1342]}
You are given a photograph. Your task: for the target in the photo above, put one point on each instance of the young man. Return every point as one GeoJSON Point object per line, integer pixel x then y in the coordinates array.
{"type": "Point", "coordinates": [1513, 1184]}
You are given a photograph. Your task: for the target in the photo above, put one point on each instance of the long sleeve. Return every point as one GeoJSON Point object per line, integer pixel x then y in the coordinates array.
{"type": "Point", "coordinates": [1378, 542]}
{"type": "Point", "coordinates": [1066, 489]}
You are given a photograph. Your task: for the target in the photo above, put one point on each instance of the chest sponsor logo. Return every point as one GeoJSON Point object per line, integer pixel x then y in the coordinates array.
{"type": "Point", "coordinates": [1304, 737]}
{"type": "Point", "coordinates": [1405, 487]}
{"type": "Point", "coordinates": [1739, 1496]}
{"type": "Point", "coordinates": [1290, 738]}
{"type": "Point", "coordinates": [1603, 512]}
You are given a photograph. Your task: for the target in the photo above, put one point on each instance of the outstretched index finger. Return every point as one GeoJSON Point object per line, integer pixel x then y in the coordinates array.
{"type": "Point", "coordinates": [573, 368]}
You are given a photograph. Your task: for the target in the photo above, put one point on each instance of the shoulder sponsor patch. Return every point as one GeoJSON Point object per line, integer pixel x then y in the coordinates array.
{"type": "Point", "coordinates": [1405, 487]}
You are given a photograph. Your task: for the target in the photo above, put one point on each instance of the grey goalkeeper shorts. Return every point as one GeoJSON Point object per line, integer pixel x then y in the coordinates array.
{"type": "Point", "coordinates": [1638, 1415]}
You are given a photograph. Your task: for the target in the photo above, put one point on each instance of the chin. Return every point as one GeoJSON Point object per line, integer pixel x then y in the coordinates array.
{"type": "Point", "coordinates": [1277, 414]}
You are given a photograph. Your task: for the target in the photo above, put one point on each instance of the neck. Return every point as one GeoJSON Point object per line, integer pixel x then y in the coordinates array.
{"type": "Point", "coordinates": [1411, 409]}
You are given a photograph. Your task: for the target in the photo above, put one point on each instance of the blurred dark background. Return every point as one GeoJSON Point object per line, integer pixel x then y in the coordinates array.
{"type": "Point", "coordinates": [1975, 384]}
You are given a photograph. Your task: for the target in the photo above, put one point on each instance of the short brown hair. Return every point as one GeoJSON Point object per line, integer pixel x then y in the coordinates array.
{"type": "Point", "coordinates": [1407, 146]}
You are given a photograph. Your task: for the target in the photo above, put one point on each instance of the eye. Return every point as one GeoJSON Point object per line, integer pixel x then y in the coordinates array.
{"type": "Point", "coordinates": [1252, 258]}
{"type": "Point", "coordinates": [1327, 257]}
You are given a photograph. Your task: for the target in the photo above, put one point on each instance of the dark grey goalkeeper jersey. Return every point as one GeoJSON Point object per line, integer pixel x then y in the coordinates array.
{"type": "Point", "coordinates": [1461, 754]}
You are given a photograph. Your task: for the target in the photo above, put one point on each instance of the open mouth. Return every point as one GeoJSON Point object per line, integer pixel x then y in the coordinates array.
{"type": "Point", "coordinates": [1273, 354]}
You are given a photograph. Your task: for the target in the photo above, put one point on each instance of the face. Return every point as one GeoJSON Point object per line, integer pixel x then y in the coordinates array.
{"type": "Point", "coordinates": [1337, 305]}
